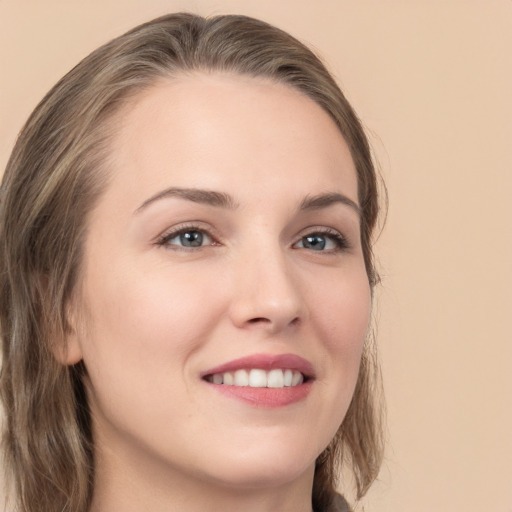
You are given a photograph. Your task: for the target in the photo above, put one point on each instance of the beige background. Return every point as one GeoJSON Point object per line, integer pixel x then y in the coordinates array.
{"type": "Point", "coordinates": [432, 81]}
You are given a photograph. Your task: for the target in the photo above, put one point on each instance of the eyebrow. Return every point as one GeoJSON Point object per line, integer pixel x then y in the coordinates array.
{"type": "Point", "coordinates": [223, 200]}
{"type": "Point", "coordinates": [325, 200]}
{"type": "Point", "coordinates": [196, 195]}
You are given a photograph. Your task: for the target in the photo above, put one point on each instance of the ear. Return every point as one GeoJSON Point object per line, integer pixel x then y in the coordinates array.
{"type": "Point", "coordinates": [67, 350]}
{"type": "Point", "coordinates": [66, 346]}
{"type": "Point", "coordinates": [62, 335]}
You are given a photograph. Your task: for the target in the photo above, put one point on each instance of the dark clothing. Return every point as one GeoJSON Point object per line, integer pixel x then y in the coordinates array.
{"type": "Point", "coordinates": [339, 504]}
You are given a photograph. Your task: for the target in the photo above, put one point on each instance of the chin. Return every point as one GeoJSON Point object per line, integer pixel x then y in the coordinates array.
{"type": "Point", "coordinates": [266, 467]}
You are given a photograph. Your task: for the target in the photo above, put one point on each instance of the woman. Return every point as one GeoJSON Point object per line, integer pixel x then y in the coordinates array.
{"type": "Point", "coordinates": [187, 278]}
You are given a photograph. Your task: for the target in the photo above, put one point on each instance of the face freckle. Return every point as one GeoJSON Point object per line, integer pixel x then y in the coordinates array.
{"type": "Point", "coordinates": [236, 160]}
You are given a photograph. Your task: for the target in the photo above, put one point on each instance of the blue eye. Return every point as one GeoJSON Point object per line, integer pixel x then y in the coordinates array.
{"type": "Point", "coordinates": [322, 242]}
{"type": "Point", "coordinates": [188, 238]}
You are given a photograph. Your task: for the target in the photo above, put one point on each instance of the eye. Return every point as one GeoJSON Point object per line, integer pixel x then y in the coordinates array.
{"type": "Point", "coordinates": [187, 238]}
{"type": "Point", "coordinates": [323, 241]}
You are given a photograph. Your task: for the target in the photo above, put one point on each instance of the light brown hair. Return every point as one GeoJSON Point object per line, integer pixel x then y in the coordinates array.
{"type": "Point", "coordinates": [54, 178]}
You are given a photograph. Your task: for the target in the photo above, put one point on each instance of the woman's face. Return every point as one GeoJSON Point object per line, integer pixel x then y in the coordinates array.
{"type": "Point", "coordinates": [224, 299]}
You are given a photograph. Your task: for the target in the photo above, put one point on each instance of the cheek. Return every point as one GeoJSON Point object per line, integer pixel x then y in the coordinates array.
{"type": "Point", "coordinates": [142, 333]}
{"type": "Point", "coordinates": [153, 310]}
{"type": "Point", "coordinates": [342, 316]}
{"type": "Point", "coordinates": [143, 328]}
{"type": "Point", "coordinates": [345, 309]}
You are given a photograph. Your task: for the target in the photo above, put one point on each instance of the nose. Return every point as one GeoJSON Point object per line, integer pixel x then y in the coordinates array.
{"type": "Point", "coordinates": [266, 292]}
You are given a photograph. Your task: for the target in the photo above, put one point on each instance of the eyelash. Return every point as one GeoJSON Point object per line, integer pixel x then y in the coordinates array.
{"type": "Point", "coordinates": [341, 242]}
{"type": "Point", "coordinates": [164, 239]}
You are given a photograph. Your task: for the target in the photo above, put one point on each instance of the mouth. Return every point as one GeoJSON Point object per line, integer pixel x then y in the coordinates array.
{"type": "Point", "coordinates": [258, 378]}
{"type": "Point", "coordinates": [263, 380]}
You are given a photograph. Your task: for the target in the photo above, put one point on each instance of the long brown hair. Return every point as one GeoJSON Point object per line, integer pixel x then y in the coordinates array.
{"type": "Point", "coordinates": [53, 179]}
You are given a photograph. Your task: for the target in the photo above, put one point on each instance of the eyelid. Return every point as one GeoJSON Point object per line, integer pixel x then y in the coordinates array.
{"type": "Point", "coordinates": [170, 233]}
{"type": "Point", "coordinates": [341, 240]}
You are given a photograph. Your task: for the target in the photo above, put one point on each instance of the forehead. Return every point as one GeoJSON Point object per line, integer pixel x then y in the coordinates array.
{"type": "Point", "coordinates": [236, 133]}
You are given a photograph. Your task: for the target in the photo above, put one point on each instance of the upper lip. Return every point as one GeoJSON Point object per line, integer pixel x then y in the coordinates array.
{"type": "Point", "coordinates": [265, 362]}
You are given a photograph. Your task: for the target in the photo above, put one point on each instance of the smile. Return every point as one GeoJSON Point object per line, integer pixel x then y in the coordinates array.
{"type": "Point", "coordinates": [263, 380]}
{"type": "Point", "coordinates": [258, 378]}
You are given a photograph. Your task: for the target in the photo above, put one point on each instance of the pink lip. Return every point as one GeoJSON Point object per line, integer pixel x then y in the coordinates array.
{"type": "Point", "coordinates": [265, 362]}
{"type": "Point", "coordinates": [267, 398]}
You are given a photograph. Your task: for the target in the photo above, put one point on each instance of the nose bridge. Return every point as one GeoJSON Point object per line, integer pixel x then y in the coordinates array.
{"type": "Point", "coordinates": [267, 291]}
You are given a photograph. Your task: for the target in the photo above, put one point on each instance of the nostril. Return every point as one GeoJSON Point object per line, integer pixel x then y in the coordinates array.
{"type": "Point", "coordinates": [267, 321]}
{"type": "Point", "coordinates": [259, 320]}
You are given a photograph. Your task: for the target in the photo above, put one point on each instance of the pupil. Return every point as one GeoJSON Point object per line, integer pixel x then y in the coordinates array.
{"type": "Point", "coordinates": [316, 243]}
{"type": "Point", "coordinates": [191, 239]}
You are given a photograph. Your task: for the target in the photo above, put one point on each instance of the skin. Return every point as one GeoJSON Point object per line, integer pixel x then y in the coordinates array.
{"type": "Point", "coordinates": [150, 317]}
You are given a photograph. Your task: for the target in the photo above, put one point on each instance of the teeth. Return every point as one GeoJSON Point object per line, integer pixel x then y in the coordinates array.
{"type": "Point", "coordinates": [241, 378]}
{"type": "Point", "coordinates": [257, 378]}
{"type": "Point", "coordinates": [275, 379]}
{"type": "Point", "coordinates": [297, 378]}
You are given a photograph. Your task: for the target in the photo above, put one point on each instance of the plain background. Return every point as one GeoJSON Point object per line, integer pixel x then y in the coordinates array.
{"type": "Point", "coordinates": [432, 81]}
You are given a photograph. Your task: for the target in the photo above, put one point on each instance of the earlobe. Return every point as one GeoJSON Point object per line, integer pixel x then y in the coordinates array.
{"type": "Point", "coordinates": [66, 347]}
{"type": "Point", "coordinates": [68, 351]}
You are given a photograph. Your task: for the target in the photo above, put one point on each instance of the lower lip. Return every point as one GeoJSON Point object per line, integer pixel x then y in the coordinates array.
{"type": "Point", "coordinates": [268, 398]}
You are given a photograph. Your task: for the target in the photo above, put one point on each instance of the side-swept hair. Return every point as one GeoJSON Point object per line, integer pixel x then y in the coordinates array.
{"type": "Point", "coordinates": [54, 178]}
